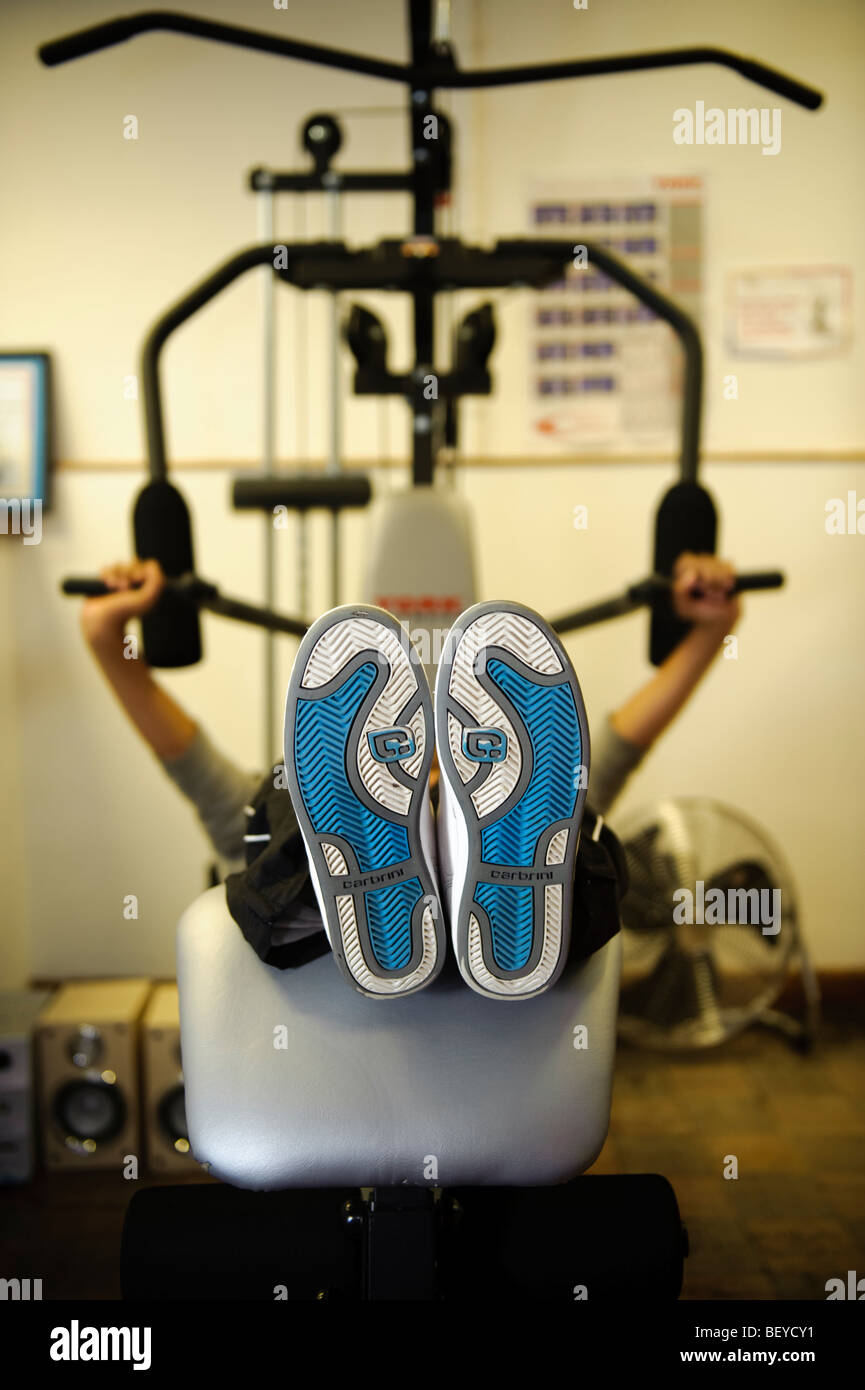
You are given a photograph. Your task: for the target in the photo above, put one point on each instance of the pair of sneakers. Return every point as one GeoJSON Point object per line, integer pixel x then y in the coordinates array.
{"type": "Point", "coordinates": [496, 865]}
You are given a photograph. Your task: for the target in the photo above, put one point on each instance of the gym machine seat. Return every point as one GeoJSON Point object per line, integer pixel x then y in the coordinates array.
{"type": "Point", "coordinates": [427, 1148]}
{"type": "Point", "coordinates": [294, 1079]}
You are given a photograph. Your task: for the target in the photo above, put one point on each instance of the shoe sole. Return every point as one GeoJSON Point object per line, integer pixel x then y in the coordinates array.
{"type": "Point", "coordinates": [358, 748]}
{"type": "Point", "coordinates": [513, 745]}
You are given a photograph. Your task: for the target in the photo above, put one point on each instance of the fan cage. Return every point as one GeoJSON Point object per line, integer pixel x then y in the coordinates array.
{"type": "Point", "coordinates": [695, 984]}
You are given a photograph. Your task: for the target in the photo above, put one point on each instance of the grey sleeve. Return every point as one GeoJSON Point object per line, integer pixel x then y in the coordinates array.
{"type": "Point", "coordinates": [218, 790]}
{"type": "Point", "coordinates": [613, 759]}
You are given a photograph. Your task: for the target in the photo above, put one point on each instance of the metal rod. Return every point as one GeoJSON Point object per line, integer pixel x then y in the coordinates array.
{"type": "Point", "coordinates": [596, 613]}
{"type": "Point", "coordinates": [652, 590]}
{"type": "Point", "coordinates": [266, 233]}
{"type": "Point", "coordinates": [116, 31]}
{"type": "Point", "coordinates": [301, 403]}
{"type": "Point", "coordinates": [184, 309]}
{"type": "Point", "coordinates": [334, 209]}
{"type": "Point", "coordinates": [442, 22]}
{"type": "Point", "coordinates": [384, 181]}
{"type": "Point", "coordinates": [750, 68]}
{"type": "Point", "coordinates": [302, 564]}
{"type": "Point", "coordinates": [331, 265]}
{"type": "Point", "coordinates": [201, 594]}
{"type": "Point", "coordinates": [423, 221]}
{"type": "Point", "coordinates": [255, 614]}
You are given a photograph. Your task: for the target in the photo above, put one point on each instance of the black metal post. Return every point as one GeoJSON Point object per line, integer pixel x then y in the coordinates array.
{"type": "Point", "coordinates": [423, 193]}
{"type": "Point", "coordinates": [178, 314]}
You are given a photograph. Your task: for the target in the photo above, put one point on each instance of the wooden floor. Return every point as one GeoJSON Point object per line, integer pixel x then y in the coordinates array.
{"type": "Point", "coordinates": [794, 1218]}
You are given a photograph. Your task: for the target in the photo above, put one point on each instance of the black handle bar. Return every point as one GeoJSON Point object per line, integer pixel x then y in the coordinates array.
{"type": "Point", "coordinates": [206, 595]}
{"type": "Point", "coordinates": [203, 595]}
{"type": "Point", "coordinates": [658, 585]}
{"type": "Point", "coordinates": [646, 591]}
{"type": "Point", "coordinates": [653, 590]}
{"type": "Point", "coordinates": [438, 71]}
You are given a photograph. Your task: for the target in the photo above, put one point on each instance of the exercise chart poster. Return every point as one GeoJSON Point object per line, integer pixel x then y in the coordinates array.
{"type": "Point", "coordinates": [604, 371]}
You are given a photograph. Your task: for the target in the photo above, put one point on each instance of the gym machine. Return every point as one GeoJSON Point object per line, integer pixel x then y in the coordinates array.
{"type": "Point", "coordinates": [517, 1219]}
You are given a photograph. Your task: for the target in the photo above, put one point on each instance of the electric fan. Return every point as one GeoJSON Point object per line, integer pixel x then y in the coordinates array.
{"type": "Point", "coordinates": [710, 927]}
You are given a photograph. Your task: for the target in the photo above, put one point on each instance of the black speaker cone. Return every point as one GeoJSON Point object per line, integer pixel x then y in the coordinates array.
{"type": "Point", "coordinates": [172, 1114]}
{"type": "Point", "coordinates": [89, 1110]}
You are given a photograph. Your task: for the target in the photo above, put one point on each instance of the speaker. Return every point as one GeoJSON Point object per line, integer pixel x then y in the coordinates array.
{"type": "Point", "coordinates": [165, 1138]}
{"type": "Point", "coordinates": [19, 1009]}
{"type": "Point", "coordinates": [88, 1061]}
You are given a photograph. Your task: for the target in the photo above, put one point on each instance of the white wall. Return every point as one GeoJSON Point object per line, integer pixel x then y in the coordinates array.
{"type": "Point", "coordinates": [14, 864]}
{"type": "Point", "coordinates": [101, 234]}
{"type": "Point", "coordinates": [800, 207]}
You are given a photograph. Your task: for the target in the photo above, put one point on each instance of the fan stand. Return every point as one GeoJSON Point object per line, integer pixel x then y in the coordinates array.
{"type": "Point", "coordinates": [802, 1032]}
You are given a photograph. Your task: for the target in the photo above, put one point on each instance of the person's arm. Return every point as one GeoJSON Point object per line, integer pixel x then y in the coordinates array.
{"type": "Point", "coordinates": [216, 787]}
{"type": "Point", "coordinates": [645, 716]}
{"type": "Point", "coordinates": [621, 741]}
{"type": "Point", "coordinates": [158, 718]}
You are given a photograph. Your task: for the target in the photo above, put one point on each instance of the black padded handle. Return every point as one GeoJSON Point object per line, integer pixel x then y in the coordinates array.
{"type": "Point", "coordinates": [88, 588]}
{"type": "Point", "coordinates": [659, 586]}
{"type": "Point", "coordinates": [766, 579]}
{"type": "Point", "coordinates": [333, 493]}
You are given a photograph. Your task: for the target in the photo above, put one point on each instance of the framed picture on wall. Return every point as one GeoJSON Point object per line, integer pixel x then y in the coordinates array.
{"type": "Point", "coordinates": [25, 426]}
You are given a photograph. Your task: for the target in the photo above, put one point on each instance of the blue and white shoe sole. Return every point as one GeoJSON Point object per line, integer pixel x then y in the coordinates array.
{"type": "Point", "coordinates": [513, 745]}
{"type": "Point", "coordinates": [359, 741]}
